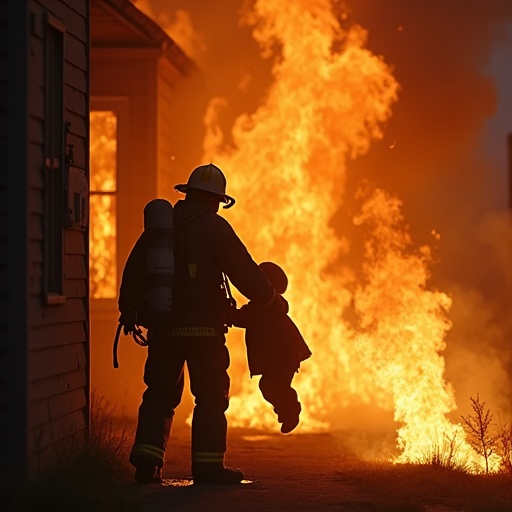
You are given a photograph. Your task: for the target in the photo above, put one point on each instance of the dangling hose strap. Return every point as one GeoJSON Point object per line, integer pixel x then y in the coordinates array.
{"type": "Point", "coordinates": [116, 343]}
{"type": "Point", "coordinates": [137, 336]}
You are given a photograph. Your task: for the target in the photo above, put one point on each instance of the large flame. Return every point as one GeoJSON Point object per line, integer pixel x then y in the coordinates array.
{"type": "Point", "coordinates": [400, 336]}
{"type": "Point", "coordinates": [327, 103]}
{"type": "Point", "coordinates": [287, 166]}
{"type": "Point", "coordinates": [377, 332]}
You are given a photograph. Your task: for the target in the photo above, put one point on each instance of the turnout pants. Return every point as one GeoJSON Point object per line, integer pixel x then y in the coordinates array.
{"type": "Point", "coordinates": [207, 361]}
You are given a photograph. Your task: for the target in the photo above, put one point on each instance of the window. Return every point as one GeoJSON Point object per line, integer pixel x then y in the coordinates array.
{"type": "Point", "coordinates": [54, 161]}
{"type": "Point", "coordinates": [103, 205]}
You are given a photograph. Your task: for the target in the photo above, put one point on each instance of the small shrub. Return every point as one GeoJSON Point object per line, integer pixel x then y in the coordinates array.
{"type": "Point", "coordinates": [504, 446]}
{"type": "Point", "coordinates": [108, 444]}
{"type": "Point", "coordinates": [478, 427]}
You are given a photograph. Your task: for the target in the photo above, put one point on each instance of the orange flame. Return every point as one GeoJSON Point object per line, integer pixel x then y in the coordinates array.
{"type": "Point", "coordinates": [329, 99]}
{"type": "Point", "coordinates": [288, 169]}
{"type": "Point", "coordinates": [102, 232]}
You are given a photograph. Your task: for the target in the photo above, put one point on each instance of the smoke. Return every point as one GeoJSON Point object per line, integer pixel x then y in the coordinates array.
{"type": "Point", "coordinates": [222, 46]}
{"type": "Point", "coordinates": [433, 155]}
{"type": "Point", "coordinates": [438, 158]}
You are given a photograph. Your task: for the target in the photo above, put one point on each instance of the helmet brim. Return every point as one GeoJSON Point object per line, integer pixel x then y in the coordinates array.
{"type": "Point", "coordinates": [230, 201]}
{"type": "Point", "coordinates": [182, 187]}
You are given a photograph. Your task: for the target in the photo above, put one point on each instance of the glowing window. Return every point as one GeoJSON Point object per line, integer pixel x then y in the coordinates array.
{"type": "Point", "coordinates": [103, 205]}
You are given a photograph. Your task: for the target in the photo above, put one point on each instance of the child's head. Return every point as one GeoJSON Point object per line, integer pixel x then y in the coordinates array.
{"type": "Point", "coordinates": [275, 274]}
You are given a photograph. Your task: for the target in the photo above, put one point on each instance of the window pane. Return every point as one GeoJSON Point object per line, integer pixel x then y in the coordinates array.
{"type": "Point", "coordinates": [102, 246]}
{"type": "Point", "coordinates": [103, 151]}
{"type": "Point", "coordinates": [102, 232]}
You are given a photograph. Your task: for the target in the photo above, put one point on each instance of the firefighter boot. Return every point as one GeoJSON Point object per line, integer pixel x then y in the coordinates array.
{"type": "Point", "coordinates": [148, 473]}
{"type": "Point", "coordinates": [224, 476]}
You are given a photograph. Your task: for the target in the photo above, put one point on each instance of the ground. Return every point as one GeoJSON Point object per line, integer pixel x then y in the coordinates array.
{"type": "Point", "coordinates": [316, 472]}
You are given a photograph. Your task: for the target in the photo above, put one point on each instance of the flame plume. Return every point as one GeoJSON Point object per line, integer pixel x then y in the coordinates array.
{"type": "Point", "coordinates": [402, 329]}
{"type": "Point", "coordinates": [377, 334]}
{"type": "Point", "coordinates": [287, 165]}
{"type": "Point", "coordinates": [328, 101]}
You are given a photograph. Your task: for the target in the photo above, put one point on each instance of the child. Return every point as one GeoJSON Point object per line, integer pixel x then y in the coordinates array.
{"type": "Point", "coordinates": [275, 349]}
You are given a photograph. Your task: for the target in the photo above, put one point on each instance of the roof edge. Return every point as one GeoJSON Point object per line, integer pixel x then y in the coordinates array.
{"type": "Point", "coordinates": [126, 12]}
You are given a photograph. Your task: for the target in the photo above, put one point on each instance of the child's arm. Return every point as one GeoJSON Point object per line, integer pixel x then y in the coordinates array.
{"type": "Point", "coordinates": [240, 317]}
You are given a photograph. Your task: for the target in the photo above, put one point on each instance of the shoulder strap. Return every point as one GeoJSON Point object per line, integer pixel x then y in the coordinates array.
{"type": "Point", "coordinates": [227, 288]}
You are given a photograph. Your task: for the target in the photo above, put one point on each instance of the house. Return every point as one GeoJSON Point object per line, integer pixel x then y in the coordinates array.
{"type": "Point", "coordinates": [59, 60]}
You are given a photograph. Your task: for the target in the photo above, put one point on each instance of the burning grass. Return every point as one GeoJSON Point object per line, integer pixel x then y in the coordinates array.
{"type": "Point", "coordinates": [446, 454]}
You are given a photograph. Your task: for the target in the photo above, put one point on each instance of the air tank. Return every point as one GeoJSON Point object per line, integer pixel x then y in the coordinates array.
{"type": "Point", "coordinates": [158, 225]}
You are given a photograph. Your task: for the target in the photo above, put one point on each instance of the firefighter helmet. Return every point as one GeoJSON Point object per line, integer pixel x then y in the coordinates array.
{"type": "Point", "coordinates": [209, 178]}
{"type": "Point", "coordinates": [276, 275]}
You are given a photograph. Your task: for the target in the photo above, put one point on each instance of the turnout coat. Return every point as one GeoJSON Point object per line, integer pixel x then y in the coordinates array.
{"type": "Point", "coordinates": [206, 246]}
{"type": "Point", "coordinates": [272, 339]}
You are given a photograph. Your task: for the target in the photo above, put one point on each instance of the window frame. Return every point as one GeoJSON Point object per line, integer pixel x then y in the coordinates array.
{"type": "Point", "coordinates": [119, 106]}
{"type": "Point", "coordinates": [54, 160]}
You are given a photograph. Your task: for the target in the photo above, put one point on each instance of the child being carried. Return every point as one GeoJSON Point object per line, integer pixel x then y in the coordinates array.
{"type": "Point", "coordinates": [275, 349]}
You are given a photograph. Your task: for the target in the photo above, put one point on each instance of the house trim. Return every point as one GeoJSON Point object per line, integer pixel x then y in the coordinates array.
{"type": "Point", "coordinates": [17, 239]}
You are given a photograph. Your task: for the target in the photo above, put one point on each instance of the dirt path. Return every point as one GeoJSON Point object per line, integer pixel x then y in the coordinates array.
{"type": "Point", "coordinates": [316, 472]}
{"type": "Point", "coordinates": [285, 473]}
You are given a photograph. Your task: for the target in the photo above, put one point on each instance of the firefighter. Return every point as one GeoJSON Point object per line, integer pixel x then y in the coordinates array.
{"type": "Point", "coordinates": [275, 349]}
{"type": "Point", "coordinates": [206, 247]}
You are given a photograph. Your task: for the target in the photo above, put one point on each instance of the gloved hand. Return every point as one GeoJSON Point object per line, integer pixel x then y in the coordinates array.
{"type": "Point", "coordinates": [128, 320]}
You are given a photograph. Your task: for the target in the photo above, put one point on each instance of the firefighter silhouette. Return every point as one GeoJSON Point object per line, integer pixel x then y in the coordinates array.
{"type": "Point", "coordinates": [205, 247]}
{"type": "Point", "coordinates": [275, 349]}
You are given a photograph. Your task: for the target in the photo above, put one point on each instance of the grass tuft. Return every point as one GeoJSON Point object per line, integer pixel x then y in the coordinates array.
{"type": "Point", "coordinates": [446, 455]}
{"type": "Point", "coordinates": [83, 478]}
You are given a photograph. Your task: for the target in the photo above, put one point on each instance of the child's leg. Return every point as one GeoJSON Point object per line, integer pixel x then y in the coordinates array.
{"type": "Point", "coordinates": [276, 389]}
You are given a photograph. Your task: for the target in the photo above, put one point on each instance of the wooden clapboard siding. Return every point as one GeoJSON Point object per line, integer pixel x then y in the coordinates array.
{"type": "Point", "coordinates": [57, 421]}
{"type": "Point", "coordinates": [57, 359]}
{"type": "Point", "coordinates": [63, 383]}
{"type": "Point", "coordinates": [49, 336]}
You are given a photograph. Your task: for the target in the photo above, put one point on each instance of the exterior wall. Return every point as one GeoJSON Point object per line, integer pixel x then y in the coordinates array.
{"type": "Point", "coordinates": [13, 231]}
{"type": "Point", "coordinates": [58, 360]}
{"type": "Point", "coordinates": [123, 80]}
